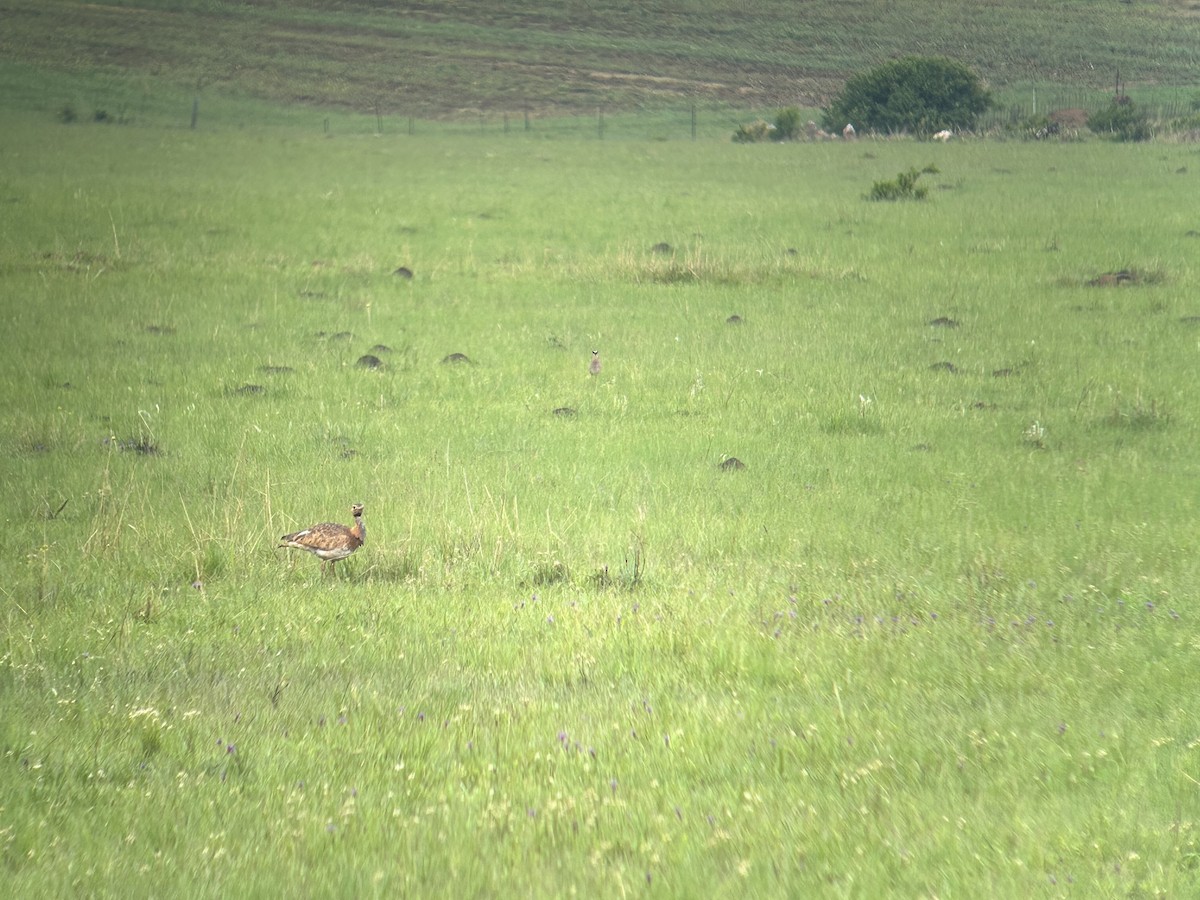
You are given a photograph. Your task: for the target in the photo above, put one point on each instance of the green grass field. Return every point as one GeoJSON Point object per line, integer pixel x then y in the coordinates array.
{"type": "Point", "coordinates": [936, 638]}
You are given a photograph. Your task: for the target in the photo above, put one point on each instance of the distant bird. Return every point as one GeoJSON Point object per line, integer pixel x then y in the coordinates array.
{"type": "Point", "coordinates": [329, 541]}
{"type": "Point", "coordinates": [594, 365]}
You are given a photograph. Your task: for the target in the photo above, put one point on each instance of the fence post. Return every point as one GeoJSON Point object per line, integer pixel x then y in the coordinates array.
{"type": "Point", "coordinates": [693, 121]}
{"type": "Point", "coordinates": [195, 110]}
{"type": "Point", "coordinates": [600, 122]}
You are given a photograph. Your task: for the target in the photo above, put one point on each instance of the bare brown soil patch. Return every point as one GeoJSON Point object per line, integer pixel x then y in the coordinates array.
{"type": "Point", "coordinates": [1069, 118]}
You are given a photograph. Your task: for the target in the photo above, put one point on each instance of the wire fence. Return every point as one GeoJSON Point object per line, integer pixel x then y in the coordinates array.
{"type": "Point", "coordinates": [1164, 106]}
{"type": "Point", "coordinates": [696, 122]}
{"type": "Point", "coordinates": [680, 121]}
{"type": "Point", "coordinates": [671, 123]}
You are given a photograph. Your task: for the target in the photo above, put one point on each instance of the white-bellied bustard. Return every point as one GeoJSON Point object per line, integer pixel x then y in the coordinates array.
{"type": "Point", "coordinates": [329, 541]}
{"type": "Point", "coordinates": [594, 365]}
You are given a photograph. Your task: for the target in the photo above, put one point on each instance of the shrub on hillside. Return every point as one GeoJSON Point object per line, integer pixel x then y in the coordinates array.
{"type": "Point", "coordinates": [1121, 120]}
{"type": "Point", "coordinates": [788, 125]}
{"type": "Point", "coordinates": [753, 132]}
{"type": "Point", "coordinates": [918, 94]}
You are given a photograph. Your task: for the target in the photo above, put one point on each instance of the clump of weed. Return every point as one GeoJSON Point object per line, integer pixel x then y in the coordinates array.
{"type": "Point", "coordinates": [208, 561]}
{"type": "Point", "coordinates": [1127, 276]}
{"type": "Point", "coordinates": [141, 445]}
{"type": "Point", "coordinates": [904, 187]}
{"type": "Point", "coordinates": [861, 421]}
{"type": "Point", "coordinates": [788, 126]}
{"type": "Point", "coordinates": [1137, 414]}
{"type": "Point", "coordinates": [666, 265]}
{"type": "Point", "coordinates": [754, 132]}
{"type": "Point", "coordinates": [67, 114]}
{"type": "Point", "coordinates": [1041, 128]}
{"type": "Point", "coordinates": [1061, 125]}
{"type": "Point", "coordinates": [629, 575]}
{"type": "Point", "coordinates": [147, 727]}
{"type": "Point", "coordinates": [552, 572]}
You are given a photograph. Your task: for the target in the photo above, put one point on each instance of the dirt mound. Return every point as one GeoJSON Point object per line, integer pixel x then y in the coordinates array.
{"type": "Point", "coordinates": [1113, 279]}
{"type": "Point", "coordinates": [1069, 118]}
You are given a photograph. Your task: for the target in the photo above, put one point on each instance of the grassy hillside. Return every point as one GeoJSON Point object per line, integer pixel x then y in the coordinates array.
{"type": "Point", "coordinates": [440, 58]}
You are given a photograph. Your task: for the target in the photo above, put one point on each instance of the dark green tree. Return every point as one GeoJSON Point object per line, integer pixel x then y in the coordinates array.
{"type": "Point", "coordinates": [917, 94]}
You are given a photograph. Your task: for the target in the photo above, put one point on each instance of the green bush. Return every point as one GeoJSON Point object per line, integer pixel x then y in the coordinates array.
{"type": "Point", "coordinates": [1121, 120]}
{"type": "Point", "coordinates": [904, 187]}
{"type": "Point", "coordinates": [917, 94]}
{"type": "Point", "coordinates": [753, 132]}
{"type": "Point", "coordinates": [788, 125]}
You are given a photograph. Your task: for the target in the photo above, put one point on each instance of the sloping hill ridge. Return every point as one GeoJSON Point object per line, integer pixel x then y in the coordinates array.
{"type": "Point", "coordinates": [445, 58]}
